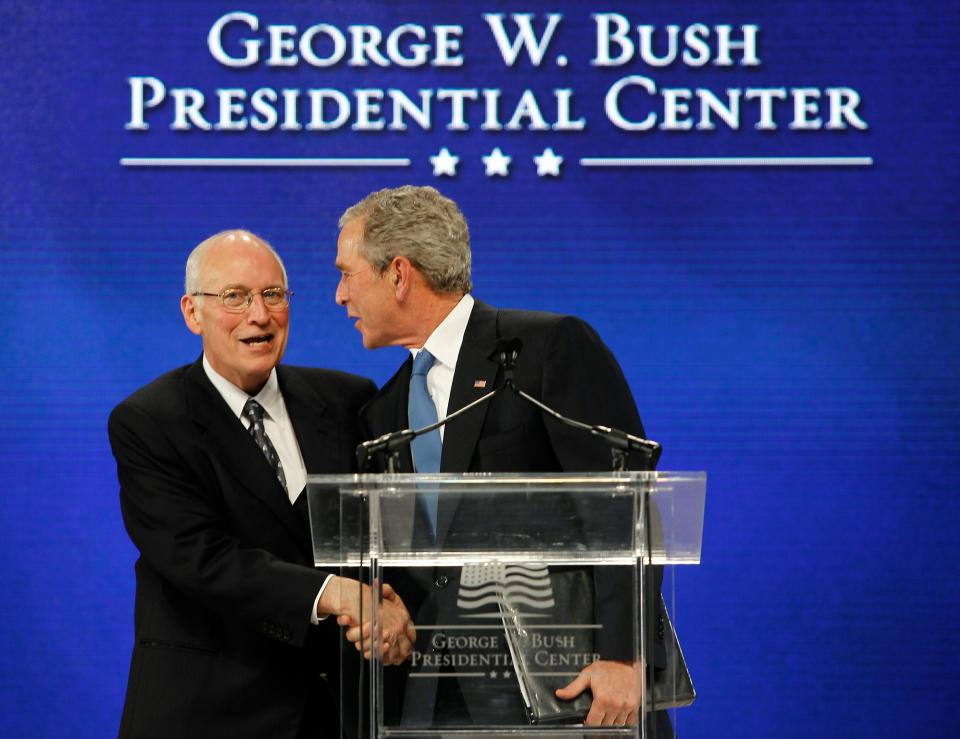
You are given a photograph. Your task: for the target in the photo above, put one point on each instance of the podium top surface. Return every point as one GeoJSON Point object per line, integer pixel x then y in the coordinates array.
{"type": "Point", "coordinates": [559, 518]}
{"type": "Point", "coordinates": [475, 479]}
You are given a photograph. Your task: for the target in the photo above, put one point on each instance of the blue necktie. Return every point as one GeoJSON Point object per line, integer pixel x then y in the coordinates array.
{"type": "Point", "coordinates": [422, 412]}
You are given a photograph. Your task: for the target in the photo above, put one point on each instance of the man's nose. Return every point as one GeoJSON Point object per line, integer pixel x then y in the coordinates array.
{"type": "Point", "coordinates": [257, 310]}
{"type": "Point", "coordinates": [341, 294]}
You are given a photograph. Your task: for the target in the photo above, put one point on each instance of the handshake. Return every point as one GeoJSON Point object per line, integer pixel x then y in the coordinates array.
{"type": "Point", "coordinates": [350, 601]}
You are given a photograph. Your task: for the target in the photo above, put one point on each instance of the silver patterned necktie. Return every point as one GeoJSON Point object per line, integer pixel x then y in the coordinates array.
{"type": "Point", "coordinates": [253, 412]}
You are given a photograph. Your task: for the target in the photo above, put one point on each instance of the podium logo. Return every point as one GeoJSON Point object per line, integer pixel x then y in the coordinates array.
{"type": "Point", "coordinates": [490, 583]}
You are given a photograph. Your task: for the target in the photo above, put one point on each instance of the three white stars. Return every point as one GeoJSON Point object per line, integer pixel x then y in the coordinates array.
{"type": "Point", "coordinates": [496, 163]}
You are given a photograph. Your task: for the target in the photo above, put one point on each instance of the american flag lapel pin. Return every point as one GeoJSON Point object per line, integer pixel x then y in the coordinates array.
{"type": "Point", "coordinates": [480, 383]}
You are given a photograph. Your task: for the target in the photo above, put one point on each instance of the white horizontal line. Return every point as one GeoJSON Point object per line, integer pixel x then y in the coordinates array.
{"type": "Point", "coordinates": [500, 627]}
{"type": "Point", "coordinates": [561, 626]}
{"type": "Point", "coordinates": [500, 615]}
{"type": "Point", "coordinates": [726, 161]}
{"type": "Point", "coordinates": [264, 162]}
{"type": "Point", "coordinates": [448, 674]}
{"type": "Point", "coordinates": [451, 627]}
{"type": "Point", "coordinates": [479, 627]}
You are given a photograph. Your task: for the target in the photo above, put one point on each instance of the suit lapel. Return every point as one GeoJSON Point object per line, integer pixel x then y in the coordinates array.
{"type": "Point", "coordinates": [475, 376]}
{"type": "Point", "coordinates": [229, 442]}
{"type": "Point", "coordinates": [317, 436]}
{"type": "Point", "coordinates": [387, 411]}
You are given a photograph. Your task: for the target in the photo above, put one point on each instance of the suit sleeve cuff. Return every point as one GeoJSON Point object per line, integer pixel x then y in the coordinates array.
{"type": "Point", "coordinates": [314, 619]}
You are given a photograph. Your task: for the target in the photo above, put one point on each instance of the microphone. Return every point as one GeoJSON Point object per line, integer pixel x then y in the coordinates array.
{"type": "Point", "coordinates": [391, 443]}
{"type": "Point", "coordinates": [620, 442]}
{"type": "Point", "coordinates": [623, 440]}
{"type": "Point", "coordinates": [506, 352]}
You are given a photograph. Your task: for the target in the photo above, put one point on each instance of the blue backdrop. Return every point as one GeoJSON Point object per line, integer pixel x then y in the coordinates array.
{"type": "Point", "coordinates": [791, 329]}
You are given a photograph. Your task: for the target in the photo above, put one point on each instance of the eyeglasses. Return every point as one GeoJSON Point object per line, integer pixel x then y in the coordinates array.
{"type": "Point", "coordinates": [238, 299]}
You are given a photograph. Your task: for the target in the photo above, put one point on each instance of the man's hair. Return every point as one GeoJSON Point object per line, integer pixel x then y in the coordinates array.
{"type": "Point", "coordinates": [420, 224]}
{"type": "Point", "coordinates": [191, 281]}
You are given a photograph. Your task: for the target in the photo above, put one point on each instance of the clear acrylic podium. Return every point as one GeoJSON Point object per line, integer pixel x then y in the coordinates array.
{"type": "Point", "coordinates": [519, 584]}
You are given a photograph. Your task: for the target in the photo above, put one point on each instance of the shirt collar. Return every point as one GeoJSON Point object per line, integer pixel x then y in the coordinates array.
{"type": "Point", "coordinates": [269, 396]}
{"type": "Point", "coordinates": [444, 343]}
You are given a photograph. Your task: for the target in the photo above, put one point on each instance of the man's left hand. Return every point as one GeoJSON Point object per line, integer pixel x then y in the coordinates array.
{"type": "Point", "coordinates": [616, 692]}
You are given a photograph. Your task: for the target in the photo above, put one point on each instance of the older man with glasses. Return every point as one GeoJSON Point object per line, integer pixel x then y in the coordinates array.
{"type": "Point", "coordinates": [231, 635]}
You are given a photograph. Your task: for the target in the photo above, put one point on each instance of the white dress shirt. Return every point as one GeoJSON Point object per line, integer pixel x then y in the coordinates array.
{"type": "Point", "coordinates": [444, 344]}
{"type": "Point", "coordinates": [278, 427]}
{"type": "Point", "coordinates": [276, 423]}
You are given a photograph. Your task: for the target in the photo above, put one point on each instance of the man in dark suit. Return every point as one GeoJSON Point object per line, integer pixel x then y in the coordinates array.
{"type": "Point", "coordinates": [404, 259]}
{"type": "Point", "coordinates": [231, 634]}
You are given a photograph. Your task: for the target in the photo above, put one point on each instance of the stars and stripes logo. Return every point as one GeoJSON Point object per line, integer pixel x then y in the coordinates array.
{"type": "Point", "coordinates": [518, 584]}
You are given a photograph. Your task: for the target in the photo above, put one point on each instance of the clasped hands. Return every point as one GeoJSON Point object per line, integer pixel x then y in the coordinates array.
{"type": "Point", "coordinates": [350, 601]}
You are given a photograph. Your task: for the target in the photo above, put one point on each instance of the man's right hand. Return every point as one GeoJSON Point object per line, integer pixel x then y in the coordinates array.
{"type": "Point", "coordinates": [349, 600]}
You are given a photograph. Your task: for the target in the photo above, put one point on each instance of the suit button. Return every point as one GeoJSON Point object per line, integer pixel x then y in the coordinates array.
{"type": "Point", "coordinates": [441, 581]}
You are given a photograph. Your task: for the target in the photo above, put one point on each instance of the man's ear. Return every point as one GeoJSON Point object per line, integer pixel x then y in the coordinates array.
{"type": "Point", "coordinates": [191, 314]}
{"type": "Point", "coordinates": [400, 273]}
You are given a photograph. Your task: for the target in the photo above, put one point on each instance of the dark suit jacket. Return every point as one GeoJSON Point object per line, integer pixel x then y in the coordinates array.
{"type": "Point", "coordinates": [564, 364]}
{"type": "Point", "coordinates": [225, 579]}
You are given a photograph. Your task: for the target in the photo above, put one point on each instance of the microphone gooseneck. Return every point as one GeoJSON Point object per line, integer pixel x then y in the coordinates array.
{"type": "Point", "coordinates": [506, 353]}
